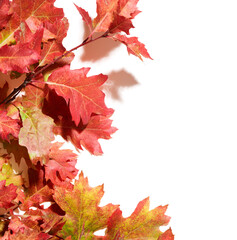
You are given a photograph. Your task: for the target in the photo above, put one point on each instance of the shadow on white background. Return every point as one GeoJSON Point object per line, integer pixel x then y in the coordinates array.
{"type": "Point", "coordinates": [176, 115]}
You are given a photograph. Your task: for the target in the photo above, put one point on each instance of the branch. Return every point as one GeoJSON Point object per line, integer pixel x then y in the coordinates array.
{"type": "Point", "coordinates": [31, 75]}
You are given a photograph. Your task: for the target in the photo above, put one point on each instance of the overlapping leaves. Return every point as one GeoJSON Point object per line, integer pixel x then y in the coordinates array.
{"type": "Point", "coordinates": [56, 100]}
{"type": "Point", "coordinates": [114, 17]}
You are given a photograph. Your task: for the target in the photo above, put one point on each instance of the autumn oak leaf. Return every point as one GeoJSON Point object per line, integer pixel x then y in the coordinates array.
{"type": "Point", "coordinates": [7, 174]}
{"type": "Point", "coordinates": [23, 229]}
{"type": "Point", "coordinates": [34, 13]}
{"type": "Point", "coordinates": [127, 8]}
{"type": "Point", "coordinates": [83, 215]}
{"type": "Point", "coordinates": [86, 18]}
{"type": "Point", "coordinates": [140, 225]}
{"type": "Point", "coordinates": [82, 93]}
{"type": "Point", "coordinates": [61, 165]}
{"type": "Point", "coordinates": [54, 47]}
{"type": "Point", "coordinates": [167, 235]}
{"type": "Point", "coordinates": [36, 134]}
{"type": "Point", "coordinates": [105, 12]}
{"type": "Point", "coordinates": [4, 12]}
{"type": "Point", "coordinates": [8, 126]}
{"type": "Point", "coordinates": [42, 195]}
{"type": "Point", "coordinates": [17, 58]}
{"type": "Point", "coordinates": [25, 35]}
{"type": "Point", "coordinates": [98, 127]}
{"type": "Point", "coordinates": [133, 45]}
{"type": "Point", "coordinates": [7, 195]}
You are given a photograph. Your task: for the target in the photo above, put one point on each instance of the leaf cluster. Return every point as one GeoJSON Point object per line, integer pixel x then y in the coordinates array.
{"type": "Point", "coordinates": [54, 100]}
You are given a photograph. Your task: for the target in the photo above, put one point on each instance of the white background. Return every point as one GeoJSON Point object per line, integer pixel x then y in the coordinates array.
{"type": "Point", "coordinates": [176, 115]}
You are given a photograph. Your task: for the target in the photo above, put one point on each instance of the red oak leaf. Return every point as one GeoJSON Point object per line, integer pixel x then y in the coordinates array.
{"type": "Point", "coordinates": [126, 12]}
{"type": "Point", "coordinates": [7, 33]}
{"type": "Point", "coordinates": [40, 196]}
{"type": "Point", "coordinates": [17, 58]}
{"type": "Point", "coordinates": [34, 13]}
{"type": "Point", "coordinates": [8, 126]}
{"type": "Point", "coordinates": [38, 11]}
{"type": "Point", "coordinates": [133, 45]}
{"type": "Point", "coordinates": [61, 165]}
{"type": "Point", "coordinates": [82, 93]}
{"type": "Point", "coordinates": [167, 235]}
{"type": "Point", "coordinates": [127, 8]}
{"type": "Point", "coordinates": [115, 15]}
{"type": "Point", "coordinates": [86, 18]}
{"type": "Point", "coordinates": [44, 10]}
{"type": "Point", "coordinates": [19, 229]}
{"type": "Point", "coordinates": [25, 35]}
{"type": "Point", "coordinates": [4, 12]}
{"type": "Point", "coordinates": [54, 47]}
{"type": "Point", "coordinates": [140, 225]}
{"type": "Point", "coordinates": [87, 136]}
{"type": "Point", "coordinates": [83, 215]}
{"type": "Point", "coordinates": [7, 195]}
{"type": "Point", "coordinates": [34, 96]}
{"type": "Point", "coordinates": [105, 13]}
{"type": "Point", "coordinates": [50, 221]}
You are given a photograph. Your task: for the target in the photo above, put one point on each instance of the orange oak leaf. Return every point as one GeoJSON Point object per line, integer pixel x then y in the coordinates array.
{"type": "Point", "coordinates": [83, 215]}
{"type": "Point", "coordinates": [140, 225]}
{"type": "Point", "coordinates": [44, 10]}
{"type": "Point", "coordinates": [61, 165]}
{"type": "Point", "coordinates": [8, 126]}
{"type": "Point", "coordinates": [17, 58]}
{"type": "Point", "coordinates": [133, 45]}
{"type": "Point", "coordinates": [82, 93]}
{"type": "Point", "coordinates": [50, 221]}
{"type": "Point", "coordinates": [7, 195]}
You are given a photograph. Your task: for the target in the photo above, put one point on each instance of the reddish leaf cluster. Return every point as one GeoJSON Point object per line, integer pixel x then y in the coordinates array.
{"type": "Point", "coordinates": [59, 101]}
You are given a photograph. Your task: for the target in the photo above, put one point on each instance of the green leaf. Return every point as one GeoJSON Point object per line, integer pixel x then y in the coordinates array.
{"type": "Point", "coordinates": [83, 215]}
